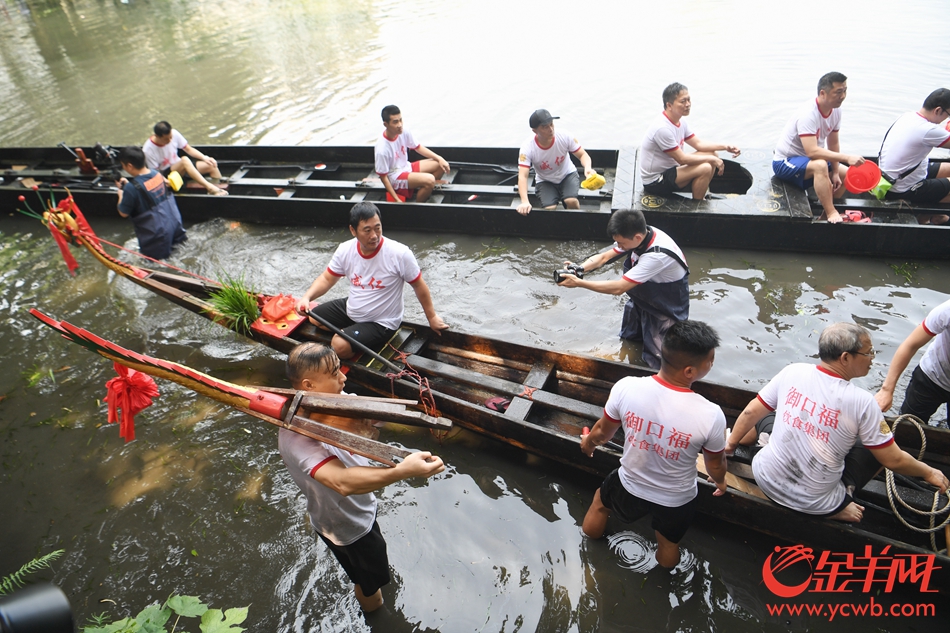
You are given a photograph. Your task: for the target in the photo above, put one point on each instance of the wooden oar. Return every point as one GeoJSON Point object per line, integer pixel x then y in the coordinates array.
{"type": "Point", "coordinates": [275, 408]}
{"type": "Point", "coordinates": [506, 169]}
{"type": "Point", "coordinates": [352, 341]}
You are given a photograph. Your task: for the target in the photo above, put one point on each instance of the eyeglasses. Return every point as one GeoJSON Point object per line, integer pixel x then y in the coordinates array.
{"type": "Point", "coordinates": [871, 353]}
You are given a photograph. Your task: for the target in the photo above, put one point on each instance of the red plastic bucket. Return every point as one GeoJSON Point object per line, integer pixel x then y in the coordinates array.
{"type": "Point", "coordinates": [862, 178]}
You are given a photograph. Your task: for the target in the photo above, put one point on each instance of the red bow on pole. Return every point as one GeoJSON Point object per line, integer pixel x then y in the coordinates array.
{"type": "Point", "coordinates": [131, 392]}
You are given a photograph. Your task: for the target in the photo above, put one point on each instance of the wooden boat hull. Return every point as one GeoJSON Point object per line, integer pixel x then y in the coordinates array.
{"type": "Point", "coordinates": [553, 396]}
{"type": "Point", "coordinates": [317, 186]}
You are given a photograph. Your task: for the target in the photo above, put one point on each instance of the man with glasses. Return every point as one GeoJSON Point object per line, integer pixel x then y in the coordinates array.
{"type": "Point", "coordinates": [829, 436]}
{"type": "Point", "coordinates": [930, 383]}
{"type": "Point", "coordinates": [808, 153]}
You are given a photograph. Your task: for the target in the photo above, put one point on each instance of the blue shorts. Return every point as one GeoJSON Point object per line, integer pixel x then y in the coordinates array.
{"type": "Point", "coordinates": [792, 170]}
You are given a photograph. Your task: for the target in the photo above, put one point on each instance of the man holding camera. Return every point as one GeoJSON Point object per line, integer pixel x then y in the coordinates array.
{"type": "Point", "coordinates": [655, 277]}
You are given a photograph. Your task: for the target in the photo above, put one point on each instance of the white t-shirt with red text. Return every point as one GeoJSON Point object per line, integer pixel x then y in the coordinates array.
{"type": "Point", "coordinates": [342, 519]}
{"type": "Point", "coordinates": [819, 417]}
{"type": "Point", "coordinates": [662, 137]}
{"type": "Point", "coordinates": [552, 163]}
{"type": "Point", "coordinates": [161, 157]}
{"type": "Point", "coordinates": [376, 280]}
{"type": "Point", "coordinates": [665, 427]}
{"type": "Point", "coordinates": [809, 122]}
{"type": "Point", "coordinates": [392, 156]}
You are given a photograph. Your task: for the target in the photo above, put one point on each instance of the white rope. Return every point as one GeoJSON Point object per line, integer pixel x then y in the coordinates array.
{"type": "Point", "coordinates": [893, 494]}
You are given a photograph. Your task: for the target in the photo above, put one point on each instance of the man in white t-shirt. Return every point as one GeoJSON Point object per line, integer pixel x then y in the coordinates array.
{"type": "Point", "coordinates": [809, 154]}
{"type": "Point", "coordinates": [339, 485]}
{"type": "Point", "coordinates": [664, 167]}
{"type": "Point", "coordinates": [665, 426]}
{"type": "Point", "coordinates": [930, 383]}
{"type": "Point", "coordinates": [161, 154]}
{"type": "Point", "coordinates": [655, 278]}
{"type": "Point", "coordinates": [904, 152]}
{"type": "Point", "coordinates": [829, 437]}
{"type": "Point", "coordinates": [399, 176]}
{"type": "Point", "coordinates": [376, 268]}
{"type": "Point", "coordinates": [548, 152]}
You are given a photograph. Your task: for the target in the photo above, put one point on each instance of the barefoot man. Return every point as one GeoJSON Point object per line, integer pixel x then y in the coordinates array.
{"type": "Point", "coordinates": [161, 154]}
{"type": "Point", "coordinates": [829, 437]}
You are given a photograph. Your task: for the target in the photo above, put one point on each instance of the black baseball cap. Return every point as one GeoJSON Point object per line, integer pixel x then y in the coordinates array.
{"type": "Point", "coordinates": [540, 117]}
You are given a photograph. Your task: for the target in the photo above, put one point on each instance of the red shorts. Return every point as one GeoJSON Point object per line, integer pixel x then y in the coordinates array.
{"type": "Point", "coordinates": [401, 185]}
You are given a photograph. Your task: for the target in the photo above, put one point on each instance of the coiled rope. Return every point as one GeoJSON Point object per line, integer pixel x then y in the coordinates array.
{"type": "Point", "coordinates": [893, 496]}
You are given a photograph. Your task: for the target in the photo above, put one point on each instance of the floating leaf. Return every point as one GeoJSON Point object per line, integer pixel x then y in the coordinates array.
{"type": "Point", "coordinates": [186, 606]}
{"type": "Point", "coordinates": [152, 619]}
{"type": "Point", "coordinates": [213, 622]}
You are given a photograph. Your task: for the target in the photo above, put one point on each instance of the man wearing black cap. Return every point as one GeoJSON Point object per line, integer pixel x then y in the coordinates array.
{"type": "Point", "coordinates": [555, 176]}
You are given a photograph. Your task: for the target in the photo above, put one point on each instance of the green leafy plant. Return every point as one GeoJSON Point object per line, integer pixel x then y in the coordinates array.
{"type": "Point", "coordinates": [153, 618]}
{"type": "Point", "coordinates": [17, 579]}
{"type": "Point", "coordinates": [237, 303]}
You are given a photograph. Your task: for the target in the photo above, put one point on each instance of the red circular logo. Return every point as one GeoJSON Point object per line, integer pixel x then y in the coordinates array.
{"type": "Point", "coordinates": [789, 563]}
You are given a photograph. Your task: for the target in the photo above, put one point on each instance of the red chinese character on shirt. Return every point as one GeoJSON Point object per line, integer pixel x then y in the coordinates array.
{"type": "Point", "coordinates": [828, 417]}
{"type": "Point", "coordinates": [659, 450]}
{"type": "Point", "coordinates": [633, 421]}
{"type": "Point", "coordinates": [655, 428]}
{"type": "Point", "coordinates": [357, 280]}
{"type": "Point", "coordinates": [793, 397]}
{"type": "Point", "coordinates": [375, 284]}
{"type": "Point", "coordinates": [545, 165]}
{"type": "Point", "coordinates": [643, 445]}
{"type": "Point", "coordinates": [674, 455]}
{"type": "Point", "coordinates": [809, 406]}
{"type": "Point", "coordinates": [558, 160]}
{"type": "Point", "coordinates": [679, 439]}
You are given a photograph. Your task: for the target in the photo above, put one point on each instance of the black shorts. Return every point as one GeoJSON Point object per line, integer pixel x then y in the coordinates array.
{"type": "Point", "coordinates": [665, 185]}
{"type": "Point", "coordinates": [923, 396]}
{"type": "Point", "coordinates": [551, 193]}
{"type": "Point", "coordinates": [365, 560]}
{"type": "Point", "coordinates": [372, 335]}
{"type": "Point", "coordinates": [672, 523]}
{"type": "Point", "coordinates": [927, 191]}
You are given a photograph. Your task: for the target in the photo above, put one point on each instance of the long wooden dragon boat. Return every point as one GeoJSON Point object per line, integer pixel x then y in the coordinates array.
{"type": "Point", "coordinates": [317, 186]}
{"type": "Point", "coordinates": [552, 395]}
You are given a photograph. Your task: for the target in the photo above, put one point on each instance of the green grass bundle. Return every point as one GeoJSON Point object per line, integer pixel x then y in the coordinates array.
{"type": "Point", "coordinates": [236, 303]}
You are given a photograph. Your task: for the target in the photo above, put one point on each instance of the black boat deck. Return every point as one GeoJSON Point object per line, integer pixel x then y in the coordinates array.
{"type": "Point", "coordinates": [316, 186]}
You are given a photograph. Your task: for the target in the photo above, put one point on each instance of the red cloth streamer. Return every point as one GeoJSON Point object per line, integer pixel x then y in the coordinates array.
{"type": "Point", "coordinates": [60, 240]}
{"type": "Point", "coordinates": [131, 391]}
{"type": "Point", "coordinates": [70, 205]}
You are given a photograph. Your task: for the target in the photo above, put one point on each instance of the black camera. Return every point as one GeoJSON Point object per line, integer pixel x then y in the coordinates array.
{"type": "Point", "coordinates": [570, 269]}
{"type": "Point", "coordinates": [36, 609]}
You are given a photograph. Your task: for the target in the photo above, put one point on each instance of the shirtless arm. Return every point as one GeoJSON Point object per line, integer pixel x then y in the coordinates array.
{"type": "Point", "coordinates": [317, 289]}
{"type": "Point", "coordinates": [917, 339]}
{"type": "Point", "coordinates": [584, 157]}
{"type": "Point", "coordinates": [358, 480]}
{"type": "Point", "coordinates": [428, 153]}
{"type": "Point", "coordinates": [750, 416]}
{"type": "Point", "coordinates": [525, 207]}
{"type": "Point", "coordinates": [703, 146]}
{"type": "Point", "coordinates": [194, 153]}
{"type": "Point", "coordinates": [609, 287]}
{"type": "Point", "coordinates": [716, 467]}
{"type": "Point", "coordinates": [832, 155]}
{"type": "Point", "coordinates": [893, 458]}
{"type": "Point", "coordinates": [603, 430]}
{"type": "Point", "coordinates": [421, 289]}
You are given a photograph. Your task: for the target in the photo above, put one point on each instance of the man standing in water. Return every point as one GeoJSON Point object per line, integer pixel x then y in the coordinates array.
{"type": "Point", "coordinates": [802, 157]}
{"type": "Point", "coordinates": [399, 176]}
{"type": "Point", "coordinates": [339, 485]}
{"type": "Point", "coordinates": [664, 166]}
{"type": "Point", "coordinates": [377, 268]}
{"type": "Point", "coordinates": [555, 177]}
{"type": "Point", "coordinates": [655, 278]}
{"type": "Point", "coordinates": [148, 200]}
{"type": "Point", "coordinates": [829, 437]}
{"type": "Point", "coordinates": [666, 425]}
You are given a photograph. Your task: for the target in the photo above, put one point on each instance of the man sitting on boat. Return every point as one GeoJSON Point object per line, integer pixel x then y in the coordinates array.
{"type": "Point", "coordinates": [376, 268]}
{"type": "Point", "coordinates": [666, 425]}
{"type": "Point", "coordinates": [399, 176]}
{"type": "Point", "coordinates": [161, 153]}
{"type": "Point", "coordinates": [930, 383]}
{"type": "Point", "coordinates": [655, 278]}
{"type": "Point", "coordinates": [802, 157]}
{"type": "Point", "coordinates": [339, 485]}
{"type": "Point", "coordinates": [829, 437]}
{"type": "Point", "coordinates": [664, 167]}
{"type": "Point", "coordinates": [555, 177]}
{"type": "Point", "coordinates": [904, 150]}
{"type": "Point", "coordinates": [148, 200]}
